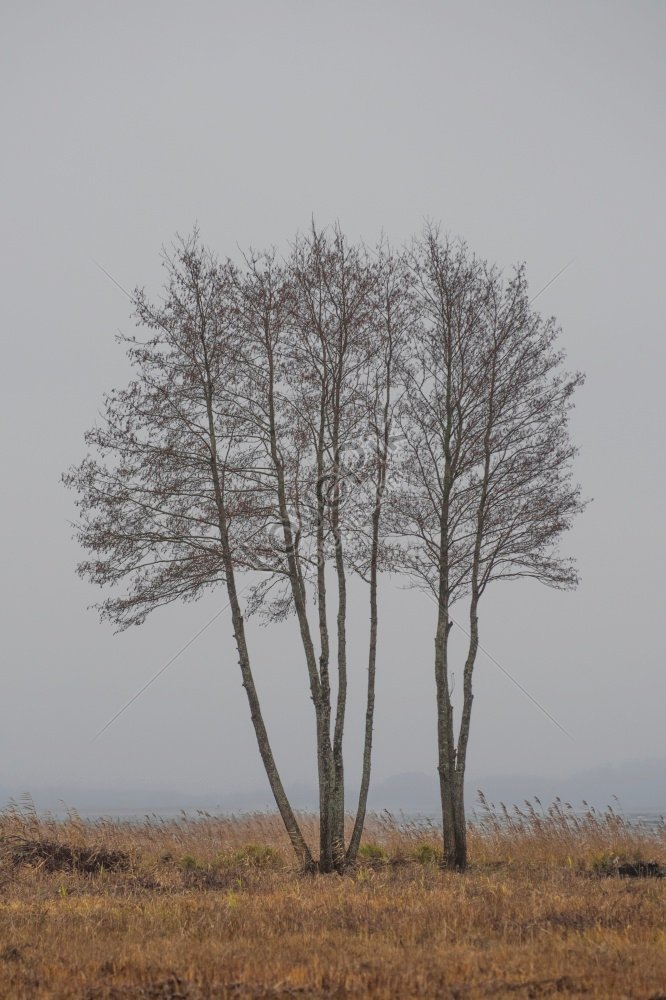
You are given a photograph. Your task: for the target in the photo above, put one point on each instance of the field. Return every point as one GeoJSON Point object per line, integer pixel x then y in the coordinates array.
{"type": "Point", "coordinates": [210, 907]}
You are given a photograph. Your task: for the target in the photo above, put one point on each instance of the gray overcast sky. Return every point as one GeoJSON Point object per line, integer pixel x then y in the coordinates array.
{"type": "Point", "coordinates": [533, 130]}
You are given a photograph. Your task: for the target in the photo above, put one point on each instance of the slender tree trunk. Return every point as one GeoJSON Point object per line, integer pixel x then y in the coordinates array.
{"type": "Point", "coordinates": [338, 824]}
{"type": "Point", "coordinates": [459, 861]}
{"type": "Point", "coordinates": [463, 738]}
{"type": "Point", "coordinates": [298, 842]}
{"type": "Point", "coordinates": [338, 810]}
{"type": "Point", "coordinates": [291, 824]}
{"type": "Point", "coordinates": [325, 749]}
{"type": "Point", "coordinates": [319, 677]}
{"type": "Point", "coordinates": [382, 460]}
{"type": "Point", "coordinates": [446, 766]}
{"type": "Point", "coordinates": [445, 738]}
{"type": "Point", "coordinates": [468, 694]}
{"type": "Point", "coordinates": [359, 822]}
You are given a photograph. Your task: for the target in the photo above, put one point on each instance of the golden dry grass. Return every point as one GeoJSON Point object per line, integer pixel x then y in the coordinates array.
{"type": "Point", "coordinates": [211, 907]}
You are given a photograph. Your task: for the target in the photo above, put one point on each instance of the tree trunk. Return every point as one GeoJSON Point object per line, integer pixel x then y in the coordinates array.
{"type": "Point", "coordinates": [459, 858]}
{"type": "Point", "coordinates": [324, 749]}
{"type": "Point", "coordinates": [460, 838]}
{"type": "Point", "coordinates": [281, 800]}
{"type": "Point", "coordinates": [382, 460]}
{"type": "Point", "coordinates": [445, 752]}
{"type": "Point", "coordinates": [338, 810]}
{"type": "Point", "coordinates": [291, 824]}
{"type": "Point", "coordinates": [355, 841]}
{"type": "Point", "coordinates": [319, 678]}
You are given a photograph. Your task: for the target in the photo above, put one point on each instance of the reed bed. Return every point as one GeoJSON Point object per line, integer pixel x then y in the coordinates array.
{"type": "Point", "coordinates": [527, 834]}
{"type": "Point", "coordinates": [204, 906]}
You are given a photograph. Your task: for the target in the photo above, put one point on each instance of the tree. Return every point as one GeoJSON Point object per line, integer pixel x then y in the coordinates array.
{"type": "Point", "coordinates": [393, 317]}
{"type": "Point", "coordinates": [339, 412]}
{"type": "Point", "coordinates": [235, 449]}
{"type": "Point", "coordinates": [486, 490]}
{"type": "Point", "coordinates": [164, 505]}
{"type": "Point", "coordinates": [318, 352]}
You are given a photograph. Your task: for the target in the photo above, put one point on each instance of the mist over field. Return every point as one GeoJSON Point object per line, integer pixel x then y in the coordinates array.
{"type": "Point", "coordinates": [635, 788]}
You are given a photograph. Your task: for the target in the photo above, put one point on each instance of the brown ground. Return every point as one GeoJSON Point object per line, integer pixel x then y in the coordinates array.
{"type": "Point", "coordinates": [213, 908]}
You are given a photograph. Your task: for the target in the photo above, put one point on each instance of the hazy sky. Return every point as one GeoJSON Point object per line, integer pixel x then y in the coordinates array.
{"type": "Point", "coordinates": [531, 129]}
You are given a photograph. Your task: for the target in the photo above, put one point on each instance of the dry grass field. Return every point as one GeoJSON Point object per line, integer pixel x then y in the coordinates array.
{"type": "Point", "coordinates": [210, 907]}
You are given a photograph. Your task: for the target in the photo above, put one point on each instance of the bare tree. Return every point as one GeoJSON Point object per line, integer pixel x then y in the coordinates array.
{"type": "Point", "coordinates": [166, 500]}
{"type": "Point", "coordinates": [393, 317]}
{"type": "Point", "coordinates": [487, 490]}
{"type": "Point", "coordinates": [265, 304]}
{"type": "Point", "coordinates": [260, 415]}
{"type": "Point", "coordinates": [308, 344]}
{"type": "Point", "coordinates": [258, 434]}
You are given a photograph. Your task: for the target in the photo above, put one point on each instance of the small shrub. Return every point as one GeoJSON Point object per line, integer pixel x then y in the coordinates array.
{"type": "Point", "coordinates": [52, 856]}
{"type": "Point", "coordinates": [635, 866]}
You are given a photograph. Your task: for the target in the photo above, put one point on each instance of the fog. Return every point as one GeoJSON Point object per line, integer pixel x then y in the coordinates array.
{"type": "Point", "coordinates": [533, 130]}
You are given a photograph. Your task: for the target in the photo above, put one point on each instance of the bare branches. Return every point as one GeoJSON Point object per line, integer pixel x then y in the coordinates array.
{"type": "Point", "coordinates": [485, 487]}
{"type": "Point", "coordinates": [340, 411]}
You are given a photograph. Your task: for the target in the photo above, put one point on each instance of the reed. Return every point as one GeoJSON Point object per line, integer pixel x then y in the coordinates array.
{"type": "Point", "coordinates": [205, 906]}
